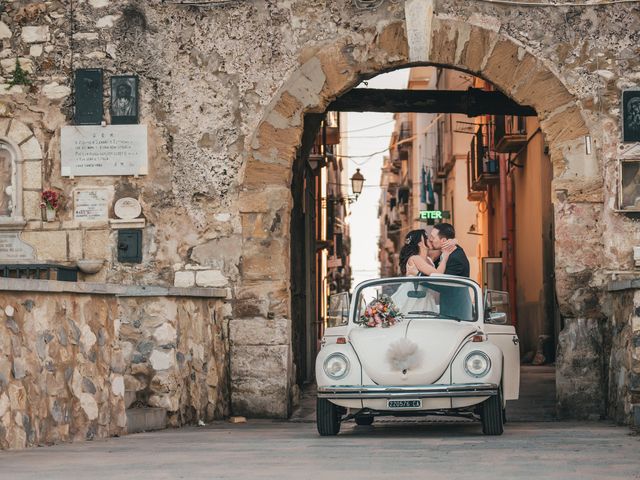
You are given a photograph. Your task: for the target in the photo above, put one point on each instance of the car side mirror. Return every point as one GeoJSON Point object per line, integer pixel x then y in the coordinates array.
{"type": "Point", "coordinates": [498, 318]}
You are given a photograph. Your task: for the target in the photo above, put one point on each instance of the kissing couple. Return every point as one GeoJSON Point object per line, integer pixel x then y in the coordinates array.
{"type": "Point", "coordinates": [436, 252]}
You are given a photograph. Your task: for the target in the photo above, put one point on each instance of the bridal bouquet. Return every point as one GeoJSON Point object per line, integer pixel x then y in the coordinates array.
{"type": "Point", "coordinates": [380, 312]}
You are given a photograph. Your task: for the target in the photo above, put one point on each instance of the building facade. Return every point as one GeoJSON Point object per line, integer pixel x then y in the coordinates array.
{"type": "Point", "coordinates": [186, 285]}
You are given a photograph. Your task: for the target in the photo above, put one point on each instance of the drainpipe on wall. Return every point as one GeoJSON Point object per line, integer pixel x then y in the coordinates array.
{"type": "Point", "coordinates": [511, 250]}
{"type": "Point", "coordinates": [506, 217]}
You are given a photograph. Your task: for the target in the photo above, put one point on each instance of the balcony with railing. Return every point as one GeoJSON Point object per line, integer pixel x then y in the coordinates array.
{"type": "Point", "coordinates": [510, 133]}
{"type": "Point", "coordinates": [483, 160]}
{"type": "Point", "coordinates": [404, 140]}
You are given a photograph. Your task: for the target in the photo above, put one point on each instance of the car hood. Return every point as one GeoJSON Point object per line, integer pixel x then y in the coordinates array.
{"type": "Point", "coordinates": [414, 352]}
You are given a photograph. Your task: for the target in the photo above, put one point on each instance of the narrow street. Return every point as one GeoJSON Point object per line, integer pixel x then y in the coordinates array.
{"type": "Point", "coordinates": [395, 449]}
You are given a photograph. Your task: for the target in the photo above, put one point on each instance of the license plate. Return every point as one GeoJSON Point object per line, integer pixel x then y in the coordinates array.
{"type": "Point", "coordinates": [404, 403]}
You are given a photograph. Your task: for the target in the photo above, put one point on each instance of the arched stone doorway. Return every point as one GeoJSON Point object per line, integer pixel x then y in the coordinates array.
{"type": "Point", "coordinates": [261, 361]}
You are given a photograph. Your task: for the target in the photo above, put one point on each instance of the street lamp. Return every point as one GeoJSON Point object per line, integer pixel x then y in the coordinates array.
{"type": "Point", "coordinates": [357, 182]}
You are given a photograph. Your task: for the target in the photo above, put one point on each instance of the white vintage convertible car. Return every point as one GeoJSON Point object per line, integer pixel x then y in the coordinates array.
{"type": "Point", "coordinates": [415, 346]}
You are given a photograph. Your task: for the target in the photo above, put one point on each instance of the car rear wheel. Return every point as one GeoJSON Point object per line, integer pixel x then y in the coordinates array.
{"type": "Point", "coordinates": [327, 417]}
{"type": "Point", "coordinates": [364, 420]}
{"type": "Point", "coordinates": [492, 419]}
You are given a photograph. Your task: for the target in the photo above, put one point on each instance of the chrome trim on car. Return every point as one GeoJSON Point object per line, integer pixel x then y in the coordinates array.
{"type": "Point", "coordinates": [408, 391]}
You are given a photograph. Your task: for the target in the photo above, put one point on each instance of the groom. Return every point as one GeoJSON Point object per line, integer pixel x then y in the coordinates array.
{"type": "Point", "coordinates": [454, 300]}
{"type": "Point", "coordinates": [457, 264]}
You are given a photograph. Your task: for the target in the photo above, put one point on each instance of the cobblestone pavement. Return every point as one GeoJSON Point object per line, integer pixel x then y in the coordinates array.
{"type": "Point", "coordinates": [390, 449]}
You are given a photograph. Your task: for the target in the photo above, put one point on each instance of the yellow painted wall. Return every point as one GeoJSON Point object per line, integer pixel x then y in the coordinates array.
{"type": "Point", "coordinates": [532, 187]}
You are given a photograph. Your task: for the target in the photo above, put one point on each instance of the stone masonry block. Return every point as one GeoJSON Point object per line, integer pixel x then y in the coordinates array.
{"type": "Point", "coordinates": [97, 245]}
{"type": "Point", "coordinates": [32, 175]}
{"type": "Point", "coordinates": [260, 380]}
{"type": "Point", "coordinates": [265, 260]}
{"type": "Point", "coordinates": [339, 70]}
{"type": "Point", "coordinates": [564, 126]}
{"type": "Point", "coordinates": [5, 31]}
{"type": "Point", "coordinates": [211, 278]}
{"type": "Point", "coordinates": [31, 205]}
{"type": "Point", "coordinates": [184, 279]}
{"type": "Point", "coordinates": [259, 398]}
{"type": "Point", "coordinates": [253, 226]}
{"type": "Point", "coordinates": [264, 200]}
{"type": "Point", "coordinates": [476, 49]}
{"type": "Point", "coordinates": [9, 65]}
{"type": "Point", "coordinates": [260, 362]}
{"type": "Point", "coordinates": [508, 65]}
{"type": "Point", "coordinates": [288, 107]}
{"type": "Point", "coordinates": [50, 246]}
{"type": "Point", "coordinates": [18, 132]}
{"type": "Point", "coordinates": [218, 252]}
{"type": "Point", "coordinates": [31, 149]}
{"type": "Point", "coordinates": [393, 41]}
{"type": "Point", "coordinates": [275, 144]}
{"type": "Point", "coordinates": [75, 244]}
{"type": "Point", "coordinates": [543, 90]}
{"type": "Point", "coordinates": [260, 331]}
{"type": "Point", "coordinates": [444, 40]}
{"type": "Point", "coordinates": [260, 174]}
{"type": "Point", "coordinates": [38, 34]}
{"type": "Point", "coordinates": [261, 298]}
{"type": "Point", "coordinates": [306, 84]}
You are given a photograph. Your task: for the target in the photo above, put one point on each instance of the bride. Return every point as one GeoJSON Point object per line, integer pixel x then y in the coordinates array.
{"type": "Point", "coordinates": [414, 256]}
{"type": "Point", "coordinates": [415, 260]}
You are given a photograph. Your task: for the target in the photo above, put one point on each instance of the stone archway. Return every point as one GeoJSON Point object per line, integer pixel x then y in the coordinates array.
{"type": "Point", "coordinates": [261, 368]}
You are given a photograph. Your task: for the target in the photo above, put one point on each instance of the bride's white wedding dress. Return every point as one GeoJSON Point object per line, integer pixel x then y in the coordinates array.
{"type": "Point", "coordinates": [406, 303]}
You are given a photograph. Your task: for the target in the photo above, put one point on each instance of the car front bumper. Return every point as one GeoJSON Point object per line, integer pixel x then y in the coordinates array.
{"type": "Point", "coordinates": [407, 391]}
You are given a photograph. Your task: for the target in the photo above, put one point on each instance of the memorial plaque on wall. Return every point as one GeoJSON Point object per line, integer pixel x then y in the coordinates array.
{"type": "Point", "coordinates": [103, 151]}
{"type": "Point", "coordinates": [88, 97]}
{"type": "Point", "coordinates": [13, 249]}
{"type": "Point", "coordinates": [631, 116]}
{"type": "Point", "coordinates": [91, 204]}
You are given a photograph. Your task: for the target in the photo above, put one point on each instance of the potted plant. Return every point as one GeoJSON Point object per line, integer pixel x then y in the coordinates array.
{"type": "Point", "coordinates": [49, 205]}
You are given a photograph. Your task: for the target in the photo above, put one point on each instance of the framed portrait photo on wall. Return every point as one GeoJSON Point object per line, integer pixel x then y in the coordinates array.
{"type": "Point", "coordinates": [631, 116]}
{"type": "Point", "coordinates": [124, 99]}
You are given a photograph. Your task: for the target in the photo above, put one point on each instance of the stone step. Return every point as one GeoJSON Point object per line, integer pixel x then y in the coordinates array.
{"type": "Point", "coordinates": [146, 419]}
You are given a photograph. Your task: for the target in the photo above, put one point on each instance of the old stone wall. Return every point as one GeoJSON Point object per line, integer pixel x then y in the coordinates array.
{"type": "Point", "coordinates": [61, 371]}
{"type": "Point", "coordinates": [223, 92]}
{"type": "Point", "coordinates": [176, 357]}
{"type": "Point", "coordinates": [72, 362]}
{"type": "Point", "coordinates": [624, 352]}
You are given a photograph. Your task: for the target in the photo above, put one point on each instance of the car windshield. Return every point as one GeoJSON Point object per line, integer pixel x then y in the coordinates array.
{"type": "Point", "coordinates": [418, 298]}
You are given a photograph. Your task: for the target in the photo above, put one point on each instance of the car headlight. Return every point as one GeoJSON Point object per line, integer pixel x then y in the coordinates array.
{"type": "Point", "coordinates": [336, 366]}
{"type": "Point", "coordinates": [477, 364]}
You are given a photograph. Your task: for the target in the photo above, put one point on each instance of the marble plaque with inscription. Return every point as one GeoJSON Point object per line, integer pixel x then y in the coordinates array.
{"type": "Point", "coordinates": [104, 151]}
{"type": "Point", "coordinates": [91, 204]}
{"type": "Point", "coordinates": [13, 249]}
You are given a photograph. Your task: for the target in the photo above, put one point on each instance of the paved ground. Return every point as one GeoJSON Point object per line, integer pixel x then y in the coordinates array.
{"type": "Point", "coordinates": [390, 450]}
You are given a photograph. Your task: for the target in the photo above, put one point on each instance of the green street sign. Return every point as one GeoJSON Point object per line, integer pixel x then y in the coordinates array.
{"type": "Point", "coordinates": [434, 214]}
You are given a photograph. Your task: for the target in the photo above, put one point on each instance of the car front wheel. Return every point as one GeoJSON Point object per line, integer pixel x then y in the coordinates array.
{"type": "Point", "coordinates": [492, 419]}
{"type": "Point", "coordinates": [327, 417]}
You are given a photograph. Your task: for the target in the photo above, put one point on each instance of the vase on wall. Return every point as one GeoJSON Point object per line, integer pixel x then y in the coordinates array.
{"type": "Point", "coordinates": [50, 214]}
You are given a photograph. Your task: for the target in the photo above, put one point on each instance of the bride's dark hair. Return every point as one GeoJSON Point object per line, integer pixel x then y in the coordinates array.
{"type": "Point", "coordinates": [411, 247]}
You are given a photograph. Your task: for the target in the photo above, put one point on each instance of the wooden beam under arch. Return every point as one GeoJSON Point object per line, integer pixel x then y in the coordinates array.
{"type": "Point", "coordinates": [472, 102]}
